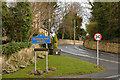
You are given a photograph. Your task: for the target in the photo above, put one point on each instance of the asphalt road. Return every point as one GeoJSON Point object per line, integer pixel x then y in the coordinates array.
{"type": "Point", "coordinates": [108, 60]}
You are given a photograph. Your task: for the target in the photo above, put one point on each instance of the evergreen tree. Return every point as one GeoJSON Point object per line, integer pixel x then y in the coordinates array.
{"type": "Point", "coordinates": [106, 15]}
{"type": "Point", "coordinates": [17, 21]}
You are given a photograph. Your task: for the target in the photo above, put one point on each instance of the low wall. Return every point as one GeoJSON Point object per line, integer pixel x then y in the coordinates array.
{"type": "Point", "coordinates": [103, 46]}
{"type": "Point", "coordinates": [69, 42]}
{"type": "Point", "coordinates": [20, 60]}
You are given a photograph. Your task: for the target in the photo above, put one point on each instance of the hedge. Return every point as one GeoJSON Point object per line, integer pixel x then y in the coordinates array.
{"type": "Point", "coordinates": [55, 45]}
{"type": "Point", "coordinates": [10, 48]}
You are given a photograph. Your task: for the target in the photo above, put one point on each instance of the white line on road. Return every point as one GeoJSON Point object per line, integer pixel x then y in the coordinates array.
{"type": "Point", "coordinates": [79, 49]}
{"type": "Point", "coordinates": [90, 57]}
{"type": "Point", "coordinates": [83, 51]}
{"type": "Point", "coordinates": [113, 76]}
{"type": "Point", "coordinates": [100, 58]}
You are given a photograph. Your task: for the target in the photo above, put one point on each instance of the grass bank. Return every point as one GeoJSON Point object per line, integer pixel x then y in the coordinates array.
{"type": "Point", "coordinates": [65, 66]}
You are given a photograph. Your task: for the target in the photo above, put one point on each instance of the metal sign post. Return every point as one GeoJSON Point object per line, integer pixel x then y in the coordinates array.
{"type": "Point", "coordinates": [97, 53]}
{"type": "Point", "coordinates": [98, 37]}
{"type": "Point", "coordinates": [46, 59]}
{"type": "Point", "coordinates": [35, 59]}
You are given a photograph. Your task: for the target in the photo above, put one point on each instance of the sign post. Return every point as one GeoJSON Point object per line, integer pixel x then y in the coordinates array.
{"type": "Point", "coordinates": [97, 53]}
{"type": "Point", "coordinates": [40, 39]}
{"type": "Point", "coordinates": [46, 59]}
{"type": "Point", "coordinates": [35, 59]}
{"type": "Point", "coordinates": [98, 37]}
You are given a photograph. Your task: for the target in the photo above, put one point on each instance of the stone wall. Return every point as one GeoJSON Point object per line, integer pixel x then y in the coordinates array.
{"type": "Point", "coordinates": [69, 42]}
{"type": "Point", "coordinates": [20, 60]}
{"type": "Point", "coordinates": [103, 46]}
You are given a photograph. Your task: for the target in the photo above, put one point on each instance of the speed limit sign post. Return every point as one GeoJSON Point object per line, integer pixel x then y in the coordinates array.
{"type": "Point", "coordinates": [97, 37]}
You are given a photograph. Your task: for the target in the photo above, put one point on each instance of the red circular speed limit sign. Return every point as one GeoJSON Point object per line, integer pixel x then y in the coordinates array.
{"type": "Point", "coordinates": [97, 36]}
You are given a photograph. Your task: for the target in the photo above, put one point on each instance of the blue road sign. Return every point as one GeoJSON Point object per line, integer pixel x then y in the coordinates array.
{"type": "Point", "coordinates": [40, 39]}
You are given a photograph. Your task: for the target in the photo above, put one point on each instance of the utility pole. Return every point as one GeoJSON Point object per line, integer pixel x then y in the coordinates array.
{"type": "Point", "coordinates": [39, 21]}
{"type": "Point", "coordinates": [74, 30]}
{"type": "Point", "coordinates": [49, 22]}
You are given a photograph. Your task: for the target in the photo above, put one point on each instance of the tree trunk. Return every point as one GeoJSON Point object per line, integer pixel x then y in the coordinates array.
{"type": "Point", "coordinates": [17, 37]}
{"type": "Point", "coordinates": [63, 33]}
{"type": "Point", "coordinates": [21, 35]}
{"type": "Point", "coordinates": [34, 30]}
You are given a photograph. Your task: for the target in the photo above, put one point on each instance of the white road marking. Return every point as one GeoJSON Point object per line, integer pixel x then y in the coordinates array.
{"type": "Point", "coordinates": [100, 58]}
{"type": "Point", "coordinates": [91, 57]}
{"type": "Point", "coordinates": [113, 76]}
{"type": "Point", "coordinates": [81, 50]}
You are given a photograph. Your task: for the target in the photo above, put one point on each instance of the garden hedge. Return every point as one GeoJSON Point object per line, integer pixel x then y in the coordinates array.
{"type": "Point", "coordinates": [10, 48]}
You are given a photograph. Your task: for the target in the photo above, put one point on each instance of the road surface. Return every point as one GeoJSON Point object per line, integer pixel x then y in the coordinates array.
{"type": "Point", "coordinates": [107, 60]}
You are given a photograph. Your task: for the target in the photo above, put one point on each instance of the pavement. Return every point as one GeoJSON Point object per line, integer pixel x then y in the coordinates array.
{"type": "Point", "coordinates": [108, 60]}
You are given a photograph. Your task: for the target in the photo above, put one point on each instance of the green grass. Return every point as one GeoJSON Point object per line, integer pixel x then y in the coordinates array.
{"type": "Point", "coordinates": [65, 66]}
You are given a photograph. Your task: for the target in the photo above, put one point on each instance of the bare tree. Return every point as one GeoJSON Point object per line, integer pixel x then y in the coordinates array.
{"type": "Point", "coordinates": [40, 15]}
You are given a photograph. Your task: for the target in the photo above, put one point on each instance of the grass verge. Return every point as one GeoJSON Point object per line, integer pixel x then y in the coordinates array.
{"type": "Point", "coordinates": [65, 66]}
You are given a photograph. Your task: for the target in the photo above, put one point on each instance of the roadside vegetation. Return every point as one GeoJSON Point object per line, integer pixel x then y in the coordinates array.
{"type": "Point", "coordinates": [13, 47]}
{"type": "Point", "coordinates": [66, 30]}
{"type": "Point", "coordinates": [16, 21]}
{"type": "Point", "coordinates": [23, 20]}
{"type": "Point", "coordinates": [64, 66]}
{"type": "Point", "coordinates": [104, 20]}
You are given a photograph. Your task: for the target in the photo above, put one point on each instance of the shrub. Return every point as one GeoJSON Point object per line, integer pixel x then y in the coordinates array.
{"type": "Point", "coordinates": [55, 45]}
{"type": "Point", "coordinates": [55, 42]}
{"type": "Point", "coordinates": [55, 39]}
{"type": "Point", "coordinates": [10, 48]}
{"type": "Point", "coordinates": [92, 28]}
